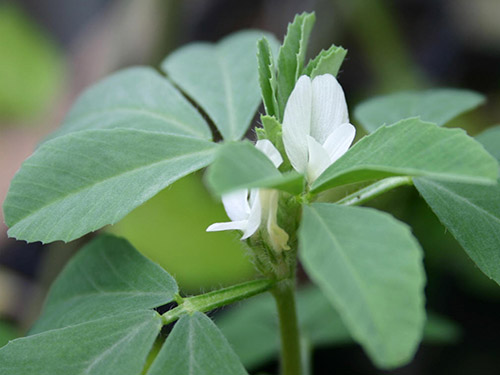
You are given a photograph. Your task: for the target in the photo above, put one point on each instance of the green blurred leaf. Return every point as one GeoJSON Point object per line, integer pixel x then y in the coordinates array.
{"type": "Point", "coordinates": [267, 76]}
{"type": "Point", "coordinates": [437, 106]}
{"type": "Point", "coordinates": [79, 182]}
{"type": "Point", "coordinates": [107, 277]}
{"type": "Point", "coordinates": [31, 69]}
{"type": "Point", "coordinates": [412, 148]}
{"type": "Point", "coordinates": [196, 346]}
{"type": "Point", "coordinates": [472, 214]}
{"type": "Point", "coordinates": [221, 78]}
{"type": "Point", "coordinates": [490, 139]}
{"type": "Point", "coordinates": [170, 230]}
{"type": "Point", "coordinates": [135, 98]}
{"type": "Point", "coordinates": [114, 345]}
{"type": "Point", "coordinates": [370, 268]}
{"type": "Point", "coordinates": [291, 57]}
{"type": "Point", "coordinates": [326, 62]}
{"type": "Point", "coordinates": [7, 333]}
{"type": "Point", "coordinates": [241, 165]}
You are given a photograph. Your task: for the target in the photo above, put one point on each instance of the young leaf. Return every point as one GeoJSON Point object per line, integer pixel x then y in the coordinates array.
{"type": "Point", "coordinates": [472, 214]}
{"type": "Point", "coordinates": [370, 268]}
{"type": "Point", "coordinates": [241, 165]}
{"type": "Point", "coordinates": [196, 346]}
{"type": "Point", "coordinates": [79, 182]}
{"type": "Point", "coordinates": [221, 78]}
{"type": "Point", "coordinates": [107, 277]}
{"type": "Point", "coordinates": [291, 57]}
{"type": "Point", "coordinates": [412, 148]}
{"type": "Point", "coordinates": [490, 139]}
{"type": "Point", "coordinates": [252, 326]}
{"type": "Point", "coordinates": [327, 62]}
{"type": "Point", "coordinates": [114, 345]}
{"type": "Point", "coordinates": [437, 106]}
{"type": "Point", "coordinates": [136, 98]}
{"type": "Point", "coordinates": [267, 76]}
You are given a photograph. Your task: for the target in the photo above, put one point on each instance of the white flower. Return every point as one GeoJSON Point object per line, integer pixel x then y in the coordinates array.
{"type": "Point", "coordinates": [249, 209]}
{"type": "Point", "coordinates": [316, 128]}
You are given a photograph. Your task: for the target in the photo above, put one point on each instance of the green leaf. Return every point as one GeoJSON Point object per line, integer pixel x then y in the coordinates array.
{"type": "Point", "coordinates": [241, 165]}
{"type": "Point", "coordinates": [221, 78]}
{"type": "Point", "coordinates": [326, 62]}
{"type": "Point", "coordinates": [267, 76]}
{"type": "Point", "coordinates": [291, 57]}
{"type": "Point", "coordinates": [136, 98]}
{"type": "Point", "coordinates": [490, 139]}
{"type": "Point", "coordinates": [370, 268]}
{"type": "Point", "coordinates": [252, 327]}
{"type": "Point", "coordinates": [107, 277]}
{"type": "Point", "coordinates": [7, 332]}
{"type": "Point", "coordinates": [412, 148]}
{"type": "Point", "coordinates": [112, 345]}
{"type": "Point", "coordinates": [196, 346]}
{"type": "Point", "coordinates": [79, 182]}
{"type": "Point", "coordinates": [437, 106]}
{"type": "Point", "coordinates": [472, 214]}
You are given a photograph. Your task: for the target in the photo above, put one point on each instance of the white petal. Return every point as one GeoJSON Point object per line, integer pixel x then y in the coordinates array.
{"type": "Point", "coordinates": [236, 205]}
{"type": "Point", "coordinates": [297, 123]}
{"type": "Point", "coordinates": [266, 146]}
{"type": "Point", "coordinates": [329, 108]}
{"type": "Point", "coordinates": [318, 159]}
{"type": "Point", "coordinates": [232, 225]}
{"type": "Point", "coordinates": [339, 141]}
{"type": "Point", "coordinates": [255, 217]}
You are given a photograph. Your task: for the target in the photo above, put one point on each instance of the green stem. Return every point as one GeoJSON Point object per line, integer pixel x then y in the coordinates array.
{"type": "Point", "coordinates": [217, 298]}
{"type": "Point", "coordinates": [291, 356]}
{"type": "Point", "coordinates": [374, 190]}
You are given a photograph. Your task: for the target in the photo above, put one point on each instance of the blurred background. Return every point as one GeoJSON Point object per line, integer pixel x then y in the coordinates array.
{"type": "Point", "coordinates": [51, 50]}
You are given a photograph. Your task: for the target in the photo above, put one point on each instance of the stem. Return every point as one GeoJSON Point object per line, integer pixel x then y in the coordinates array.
{"type": "Point", "coordinates": [291, 356]}
{"type": "Point", "coordinates": [217, 298]}
{"type": "Point", "coordinates": [374, 190]}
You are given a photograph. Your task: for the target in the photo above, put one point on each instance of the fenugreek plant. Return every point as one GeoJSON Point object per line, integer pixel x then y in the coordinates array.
{"type": "Point", "coordinates": [293, 194]}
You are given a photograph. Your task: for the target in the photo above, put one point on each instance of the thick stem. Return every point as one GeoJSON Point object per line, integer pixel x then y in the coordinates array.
{"type": "Point", "coordinates": [374, 190]}
{"type": "Point", "coordinates": [291, 356]}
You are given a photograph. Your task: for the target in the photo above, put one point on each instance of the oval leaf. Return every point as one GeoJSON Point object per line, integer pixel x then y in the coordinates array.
{"type": "Point", "coordinates": [221, 78]}
{"type": "Point", "coordinates": [196, 346]}
{"type": "Point", "coordinates": [77, 183]}
{"type": "Point", "coordinates": [437, 106]}
{"type": "Point", "coordinates": [412, 148]}
{"type": "Point", "coordinates": [370, 268]}
{"type": "Point", "coordinates": [107, 277]}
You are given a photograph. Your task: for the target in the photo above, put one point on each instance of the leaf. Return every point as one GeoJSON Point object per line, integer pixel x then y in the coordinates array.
{"type": "Point", "coordinates": [221, 78]}
{"type": "Point", "coordinates": [412, 148]}
{"type": "Point", "coordinates": [135, 98]}
{"type": "Point", "coordinates": [326, 62]}
{"type": "Point", "coordinates": [437, 106]}
{"type": "Point", "coordinates": [490, 139]}
{"type": "Point", "coordinates": [370, 268]}
{"type": "Point", "coordinates": [291, 57]}
{"type": "Point", "coordinates": [252, 326]}
{"type": "Point", "coordinates": [472, 214]}
{"type": "Point", "coordinates": [196, 346]}
{"type": "Point", "coordinates": [267, 76]}
{"type": "Point", "coordinates": [107, 277]}
{"type": "Point", "coordinates": [79, 182]}
{"type": "Point", "coordinates": [7, 332]}
{"type": "Point", "coordinates": [241, 165]}
{"type": "Point", "coordinates": [114, 345]}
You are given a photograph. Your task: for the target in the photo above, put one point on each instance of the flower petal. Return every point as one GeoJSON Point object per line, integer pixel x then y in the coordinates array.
{"type": "Point", "coordinates": [266, 146]}
{"type": "Point", "coordinates": [297, 123]}
{"type": "Point", "coordinates": [255, 216]}
{"type": "Point", "coordinates": [339, 141]}
{"type": "Point", "coordinates": [236, 205]}
{"type": "Point", "coordinates": [231, 225]}
{"type": "Point", "coordinates": [318, 159]}
{"type": "Point", "coordinates": [329, 108]}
